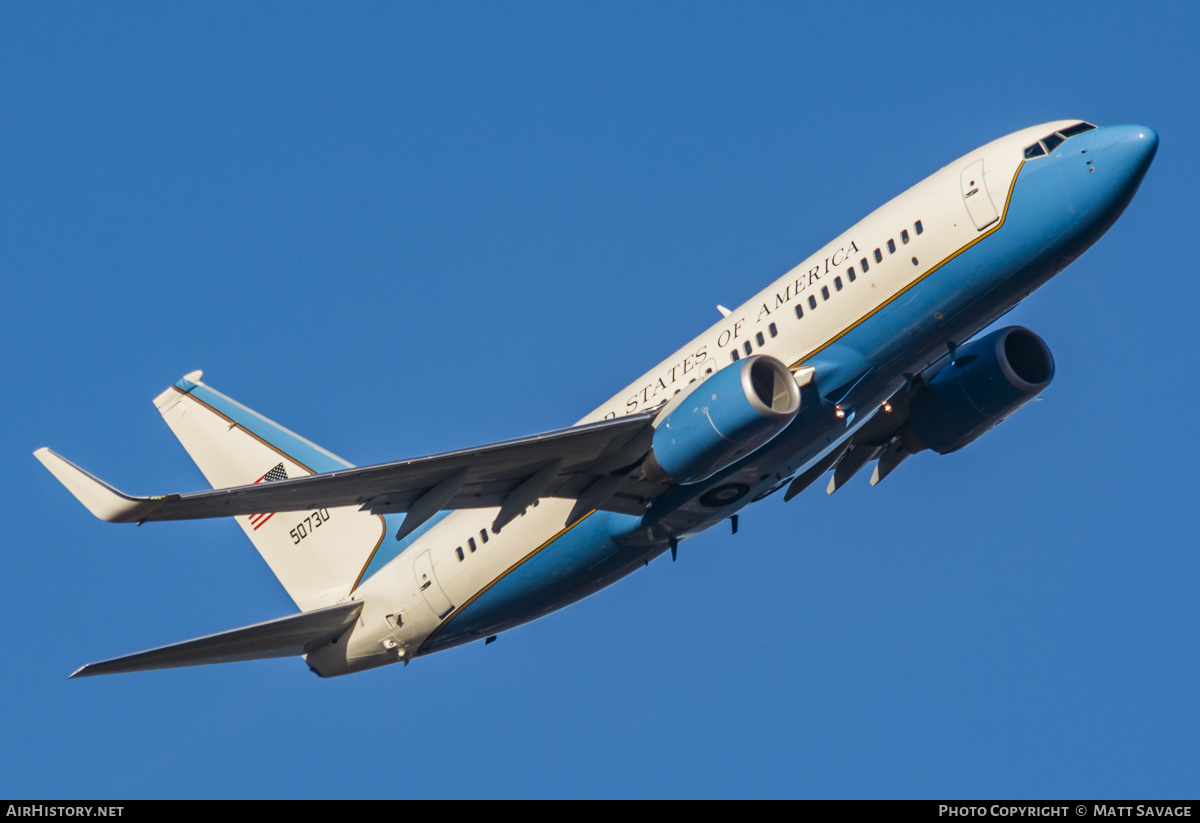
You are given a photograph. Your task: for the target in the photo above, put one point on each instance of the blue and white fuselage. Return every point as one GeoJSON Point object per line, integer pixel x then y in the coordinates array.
{"type": "Point", "coordinates": [935, 272]}
{"type": "Point", "coordinates": [862, 324]}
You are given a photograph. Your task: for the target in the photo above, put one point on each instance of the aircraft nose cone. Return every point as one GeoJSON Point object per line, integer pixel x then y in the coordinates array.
{"type": "Point", "coordinates": [1146, 146]}
{"type": "Point", "coordinates": [1138, 149]}
{"type": "Point", "coordinates": [1132, 148]}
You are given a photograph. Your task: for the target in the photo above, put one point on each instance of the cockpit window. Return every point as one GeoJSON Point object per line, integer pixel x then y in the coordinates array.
{"type": "Point", "coordinates": [1078, 128]}
{"type": "Point", "coordinates": [1051, 141]}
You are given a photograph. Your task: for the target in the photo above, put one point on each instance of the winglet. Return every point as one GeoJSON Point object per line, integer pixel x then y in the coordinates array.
{"type": "Point", "coordinates": [100, 498]}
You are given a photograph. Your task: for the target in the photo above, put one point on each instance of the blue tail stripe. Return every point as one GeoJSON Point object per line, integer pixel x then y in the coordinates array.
{"type": "Point", "coordinates": [295, 447]}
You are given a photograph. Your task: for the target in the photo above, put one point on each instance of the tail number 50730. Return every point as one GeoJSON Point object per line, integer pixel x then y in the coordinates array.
{"type": "Point", "coordinates": [309, 524]}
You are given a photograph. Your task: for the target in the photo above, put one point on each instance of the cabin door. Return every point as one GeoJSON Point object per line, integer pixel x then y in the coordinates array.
{"type": "Point", "coordinates": [427, 582]}
{"type": "Point", "coordinates": [975, 195]}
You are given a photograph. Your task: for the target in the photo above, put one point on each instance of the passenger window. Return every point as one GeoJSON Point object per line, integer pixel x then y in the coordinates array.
{"type": "Point", "coordinates": [904, 237]}
{"type": "Point", "coordinates": [837, 282]}
{"type": "Point", "coordinates": [759, 337]}
{"type": "Point", "coordinates": [891, 246]}
{"type": "Point", "coordinates": [774, 331]}
{"type": "Point", "coordinates": [917, 225]}
{"type": "Point", "coordinates": [748, 348]}
{"type": "Point", "coordinates": [812, 302]}
{"type": "Point", "coordinates": [483, 535]}
{"type": "Point", "coordinates": [1051, 142]}
{"type": "Point", "coordinates": [824, 292]}
{"type": "Point", "coordinates": [471, 543]}
{"type": "Point", "coordinates": [864, 265]}
{"type": "Point", "coordinates": [850, 273]}
{"type": "Point", "coordinates": [458, 551]}
{"type": "Point", "coordinates": [1035, 150]}
{"type": "Point", "coordinates": [799, 311]}
{"type": "Point", "coordinates": [878, 256]}
{"type": "Point", "coordinates": [735, 356]}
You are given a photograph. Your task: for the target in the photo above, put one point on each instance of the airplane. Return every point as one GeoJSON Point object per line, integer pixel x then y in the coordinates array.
{"type": "Point", "coordinates": [866, 351]}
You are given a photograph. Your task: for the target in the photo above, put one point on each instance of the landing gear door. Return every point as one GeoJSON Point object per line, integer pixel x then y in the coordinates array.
{"type": "Point", "coordinates": [431, 590]}
{"type": "Point", "coordinates": [975, 195]}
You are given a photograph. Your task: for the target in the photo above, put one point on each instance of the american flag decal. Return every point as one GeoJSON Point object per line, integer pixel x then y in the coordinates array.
{"type": "Point", "coordinates": [277, 473]}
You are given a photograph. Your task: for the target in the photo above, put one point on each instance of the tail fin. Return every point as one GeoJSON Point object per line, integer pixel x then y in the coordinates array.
{"type": "Point", "coordinates": [319, 556]}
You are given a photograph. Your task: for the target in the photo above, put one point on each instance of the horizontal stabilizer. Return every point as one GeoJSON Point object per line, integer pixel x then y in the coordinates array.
{"type": "Point", "coordinates": [285, 637]}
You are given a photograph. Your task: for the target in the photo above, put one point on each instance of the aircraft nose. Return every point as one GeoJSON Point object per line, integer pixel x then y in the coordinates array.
{"type": "Point", "coordinates": [1146, 146]}
{"type": "Point", "coordinates": [1130, 148]}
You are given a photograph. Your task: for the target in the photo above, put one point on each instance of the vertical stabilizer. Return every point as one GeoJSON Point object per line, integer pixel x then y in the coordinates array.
{"type": "Point", "coordinates": [318, 555]}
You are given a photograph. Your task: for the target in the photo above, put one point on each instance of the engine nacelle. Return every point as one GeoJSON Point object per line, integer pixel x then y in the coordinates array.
{"type": "Point", "coordinates": [726, 417]}
{"type": "Point", "coordinates": [989, 380]}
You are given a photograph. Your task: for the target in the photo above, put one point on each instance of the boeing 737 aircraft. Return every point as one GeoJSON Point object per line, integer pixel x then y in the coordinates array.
{"type": "Point", "coordinates": [861, 353]}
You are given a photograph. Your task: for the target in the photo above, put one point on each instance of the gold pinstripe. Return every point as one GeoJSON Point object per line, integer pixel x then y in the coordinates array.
{"type": "Point", "coordinates": [892, 299]}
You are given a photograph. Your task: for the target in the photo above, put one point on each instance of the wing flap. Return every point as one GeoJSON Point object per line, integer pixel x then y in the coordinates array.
{"type": "Point", "coordinates": [284, 637]}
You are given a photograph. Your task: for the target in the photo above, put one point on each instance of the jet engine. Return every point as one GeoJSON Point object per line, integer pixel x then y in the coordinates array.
{"type": "Point", "coordinates": [988, 380]}
{"type": "Point", "coordinates": [729, 415]}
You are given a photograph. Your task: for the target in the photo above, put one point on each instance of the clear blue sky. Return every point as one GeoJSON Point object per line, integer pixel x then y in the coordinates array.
{"type": "Point", "coordinates": [404, 228]}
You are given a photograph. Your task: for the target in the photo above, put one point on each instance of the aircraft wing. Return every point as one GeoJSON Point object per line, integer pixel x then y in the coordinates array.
{"type": "Point", "coordinates": [583, 463]}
